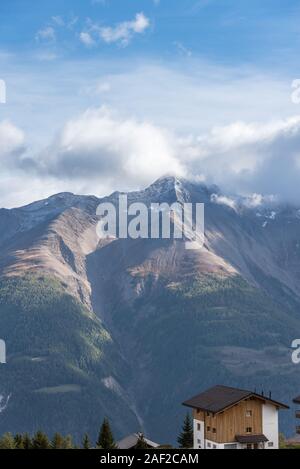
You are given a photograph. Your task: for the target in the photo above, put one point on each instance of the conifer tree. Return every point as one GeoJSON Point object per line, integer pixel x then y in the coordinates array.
{"type": "Point", "coordinates": [58, 441]}
{"type": "Point", "coordinates": [186, 438]}
{"type": "Point", "coordinates": [7, 441]}
{"type": "Point", "coordinates": [40, 441]}
{"type": "Point", "coordinates": [86, 444]}
{"type": "Point", "coordinates": [27, 442]}
{"type": "Point", "coordinates": [106, 439]}
{"type": "Point", "coordinates": [68, 442]}
{"type": "Point", "coordinates": [19, 441]}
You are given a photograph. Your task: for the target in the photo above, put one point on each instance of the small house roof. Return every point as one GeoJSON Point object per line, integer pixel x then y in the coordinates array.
{"type": "Point", "coordinates": [251, 439]}
{"type": "Point", "coordinates": [219, 398]}
{"type": "Point", "coordinates": [131, 441]}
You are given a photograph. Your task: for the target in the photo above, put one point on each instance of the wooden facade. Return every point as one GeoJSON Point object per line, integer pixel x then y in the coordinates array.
{"type": "Point", "coordinates": [241, 419]}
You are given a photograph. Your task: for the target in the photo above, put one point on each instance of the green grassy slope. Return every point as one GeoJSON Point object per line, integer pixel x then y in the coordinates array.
{"type": "Point", "coordinates": [58, 353]}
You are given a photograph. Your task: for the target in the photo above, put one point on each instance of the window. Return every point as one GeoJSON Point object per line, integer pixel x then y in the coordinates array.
{"type": "Point", "coordinates": [233, 446]}
{"type": "Point", "coordinates": [199, 427]}
{"type": "Point", "coordinates": [208, 414]}
{"type": "Point", "coordinates": [214, 430]}
{"type": "Point", "coordinates": [209, 445]}
{"type": "Point", "coordinates": [271, 444]}
{"type": "Point", "coordinates": [214, 446]}
{"type": "Point", "coordinates": [208, 429]}
{"type": "Point", "coordinates": [249, 430]}
{"type": "Point", "coordinates": [199, 442]}
{"type": "Point", "coordinates": [249, 413]}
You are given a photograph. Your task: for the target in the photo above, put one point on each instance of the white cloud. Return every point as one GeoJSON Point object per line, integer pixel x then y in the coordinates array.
{"type": "Point", "coordinates": [123, 32]}
{"type": "Point", "coordinates": [11, 141]}
{"type": "Point", "coordinates": [103, 147]}
{"type": "Point", "coordinates": [58, 20]}
{"type": "Point", "coordinates": [64, 22]}
{"type": "Point", "coordinates": [86, 39]}
{"type": "Point", "coordinates": [224, 200]}
{"type": "Point", "coordinates": [115, 152]}
{"type": "Point", "coordinates": [46, 34]}
{"type": "Point", "coordinates": [140, 24]}
{"type": "Point", "coordinates": [260, 158]}
{"type": "Point", "coordinates": [101, 151]}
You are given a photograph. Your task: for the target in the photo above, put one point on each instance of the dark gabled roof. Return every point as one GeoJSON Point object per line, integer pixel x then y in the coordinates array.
{"type": "Point", "coordinates": [251, 439]}
{"type": "Point", "coordinates": [297, 400]}
{"type": "Point", "coordinates": [219, 398]}
{"type": "Point", "coordinates": [216, 399]}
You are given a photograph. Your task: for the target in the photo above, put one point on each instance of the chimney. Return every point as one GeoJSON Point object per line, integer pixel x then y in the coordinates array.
{"type": "Point", "coordinates": [262, 393]}
{"type": "Point", "coordinates": [270, 395]}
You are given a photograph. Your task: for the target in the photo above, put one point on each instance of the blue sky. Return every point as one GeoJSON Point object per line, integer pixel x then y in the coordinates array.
{"type": "Point", "coordinates": [110, 94]}
{"type": "Point", "coordinates": [225, 30]}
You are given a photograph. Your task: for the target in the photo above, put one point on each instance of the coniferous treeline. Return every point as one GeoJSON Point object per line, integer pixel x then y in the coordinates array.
{"type": "Point", "coordinates": [41, 441]}
{"type": "Point", "coordinates": [105, 439]}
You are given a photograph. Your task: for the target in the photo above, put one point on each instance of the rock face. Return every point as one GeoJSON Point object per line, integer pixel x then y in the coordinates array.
{"type": "Point", "coordinates": [140, 325]}
{"type": "Point", "coordinates": [52, 236]}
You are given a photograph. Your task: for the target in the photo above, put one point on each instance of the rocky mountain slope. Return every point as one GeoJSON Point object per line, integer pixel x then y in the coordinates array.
{"type": "Point", "coordinates": [131, 328]}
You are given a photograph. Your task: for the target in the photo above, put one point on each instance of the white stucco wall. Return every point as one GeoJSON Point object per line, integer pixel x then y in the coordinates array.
{"type": "Point", "coordinates": [222, 445]}
{"type": "Point", "coordinates": [212, 445]}
{"type": "Point", "coordinates": [198, 435]}
{"type": "Point", "coordinates": [270, 425]}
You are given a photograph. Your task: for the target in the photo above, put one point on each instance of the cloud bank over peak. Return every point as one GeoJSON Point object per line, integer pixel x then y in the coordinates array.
{"type": "Point", "coordinates": [102, 150]}
{"type": "Point", "coordinates": [101, 146]}
{"type": "Point", "coordinates": [251, 157]}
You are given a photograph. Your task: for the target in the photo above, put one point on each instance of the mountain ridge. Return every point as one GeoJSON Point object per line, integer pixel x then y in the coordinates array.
{"type": "Point", "coordinates": [177, 320]}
